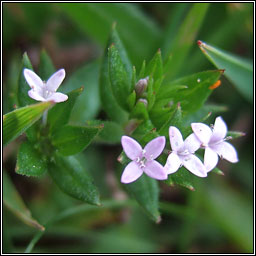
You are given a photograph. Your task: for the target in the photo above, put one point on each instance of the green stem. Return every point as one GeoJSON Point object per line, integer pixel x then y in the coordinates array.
{"type": "Point", "coordinates": [45, 114]}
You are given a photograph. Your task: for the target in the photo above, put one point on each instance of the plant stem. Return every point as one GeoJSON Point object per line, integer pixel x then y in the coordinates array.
{"type": "Point", "coordinates": [45, 117]}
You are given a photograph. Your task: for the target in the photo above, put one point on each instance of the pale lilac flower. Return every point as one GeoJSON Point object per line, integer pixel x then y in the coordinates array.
{"type": "Point", "coordinates": [143, 159]}
{"type": "Point", "coordinates": [183, 154]}
{"type": "Point", "coordinates": [45, 91]}
{"type": "Point", "coordinates": [213, 140]}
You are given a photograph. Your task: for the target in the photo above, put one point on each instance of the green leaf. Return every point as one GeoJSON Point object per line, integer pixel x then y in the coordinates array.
{"type": "Point", "coordinates": [174, 120]}
{"type": "Point", "coordinates": [191, 98]}
{"type": "Point", "coordinates": [190, 92]}
{"type": "Point", "coordinates": [184, 40]}
{"type": "Point", "coordinates": [155, 67]}
{"type": "Point", "coordinates": [23, 87]}
{"type": "Point", "coordinates": [109, 103]}
{"type": "Point", "coordinates": [217, 171]}
{"type": "Point", "coordinates": [87, 105]}
{"type": "Point", "coordinates": [239, 71]}
{"type": "Point", "coordinates": [70, 140]}
{"type": "Point", "coordinates": [235, 134]}
{"type": "Point", "coordinates": [182, 178]}
{"type": "Point", "coordinates": [96, 19]}
{"type": "Point", "coordinates": [110, 132]}
{"type": "Point", "coordinates": [14, 203]}
{"type": "Point", "coordinates": [140, 110]}
{"type": "Point", "coordinates": [60, 113]}
{"type": "Point", "coordinates": [46, 67]}
{"type": "Point", "coordinates": [142, 70]}
{"type": "Point", "coordinates": [145, 191]}
{"type": "Point", "coordinates": [119, 79]}
{"type": "Point", "coordinates": [131, 99]}
{"type": "Point", "coordinates": [71, 178]}
{"type": "Point", "coordinates": [29, 161]}
{"type": "Point", "coordinates": [17, 121]}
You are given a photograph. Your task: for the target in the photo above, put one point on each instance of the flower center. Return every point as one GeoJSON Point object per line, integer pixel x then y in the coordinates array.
{"type": "Point", "coordinates": [142, 160]}
{"type": "Point", "coordinates": [184, 152]}
{"type": "Point", "coordinates": [46, 93]}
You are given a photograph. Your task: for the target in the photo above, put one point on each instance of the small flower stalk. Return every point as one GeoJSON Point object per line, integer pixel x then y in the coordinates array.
{"type": "Point", "coordinates": [45, 91]}
{"type": "Point", "coordinates": [143, 159]}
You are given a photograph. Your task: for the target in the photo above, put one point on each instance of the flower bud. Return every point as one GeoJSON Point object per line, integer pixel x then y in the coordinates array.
{"type": "Point", "coordinates": [141, 86]}
{"type": "Point", "coordinates": [144, 101]}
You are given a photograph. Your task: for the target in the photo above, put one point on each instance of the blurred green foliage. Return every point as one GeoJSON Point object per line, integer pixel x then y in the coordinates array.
{"type": "Point", "coordinates": [218, 216]}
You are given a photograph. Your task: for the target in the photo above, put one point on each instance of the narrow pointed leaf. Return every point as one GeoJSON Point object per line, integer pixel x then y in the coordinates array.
{"type": "Point", "coordinates": [155, 67]}
{"type": "Point", "coordinates": [109, 103]}
{"type": "Point", "coordinates": [193, 96]}
{"type": "Point", "coordinates": [70, 140]}
{"type": "Point", "coordinates": [17, 121]}
{"type": "Point", "coordinates": [73, 179]}
{"type": "Point", "coordinates": [146, 192]}
{"type": "Point", "coordinates": [235, 134]}
{"type": "Point", "coordinates": [14, 203]}
{"type": "Point", "coordinates": [237, 70]}
{"type": "Point", "coordinates": [185, 38]}
{"type": "Point", "coordinates": [119, 78]}
{"type": "Point", "coordinates": [46, 67]}
{"type": "Point", "coordinates": [30, 161]}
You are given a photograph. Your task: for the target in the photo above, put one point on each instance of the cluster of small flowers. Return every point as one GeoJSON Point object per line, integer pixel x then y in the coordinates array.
{"type": "Point", "coordinates": [182, 154]}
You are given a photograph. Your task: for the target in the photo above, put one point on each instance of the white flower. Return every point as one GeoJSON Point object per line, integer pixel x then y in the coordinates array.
{"type": "Point", "coordinates": [213, 140]}
{"type": "Point", "coordinates": [183, 154]}
{"type": "Point", "coordinates": [143, 159]}
{"type": "Point", "coordinates": [45, 91]}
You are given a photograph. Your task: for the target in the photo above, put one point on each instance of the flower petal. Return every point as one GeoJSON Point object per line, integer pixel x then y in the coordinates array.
{"type": "Point", "coordinates": [131, 147]}
{"type": "Point", "coordinates": [194, 165]}
{"type": "Point", "coordinates": [176, 139]}
{"type": "Point", "coordinates": [154, 148]}
{"type": "Point", "coordinates": [226, 150]}
{"type": "Point", "coordinates": [35, 95]}
{"type": "Point", "coordinates": [173, 163]}
{"type": "Point", "coordinates": [210, 159]}
{"type": "Point", "coordinates": [155, 170]}
{"type": "Point", "coordinates": [57, 97]}
{"type": "Point", "coordinates": [131, 173]}
{"type": "Point", "coordinates": [219, 131]}
{"type": "Point", "coordinates": [192, 143]}
{"type": "Point", "coordinates": [55, 80]}
{"type": "Point", "coordinates": [33, 80]}
{"type": "Point", "coordinates": [202, 131]}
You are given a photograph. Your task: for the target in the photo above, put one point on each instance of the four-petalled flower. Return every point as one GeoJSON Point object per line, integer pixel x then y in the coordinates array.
{"type": "Point", "coordinates": [143, 159]}
{"type": "Point", "coordinates": [213, 140]}
{"type": "Point", "coordinates": [183, 154]}
{"type": "Point", "coordinates": [45, 91]}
